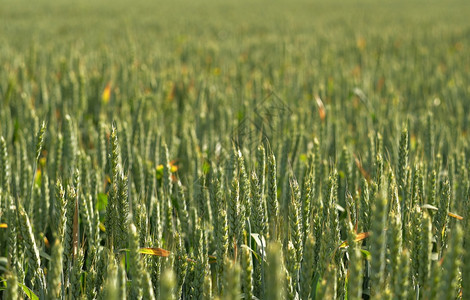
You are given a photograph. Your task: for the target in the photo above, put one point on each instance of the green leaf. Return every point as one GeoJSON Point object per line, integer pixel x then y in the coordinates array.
{"type": "Point", "coordinates": [252, 251]}
{"type": "Point", "coordinates": [28, 292]}
{"type": "Point", "coordinates": [37, 179]}
{"type": "Point", "coordinates": [102, 201]}
{"type": "Point", "coordinates": [365, 254]}
{"type": "Point", "coordinates": [42, 253]}
{"type": "Point", "coordinates": [206, 167]}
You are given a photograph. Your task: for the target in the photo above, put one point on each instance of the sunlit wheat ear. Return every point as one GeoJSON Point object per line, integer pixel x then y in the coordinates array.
{"type": "Point", "coordinates": [401, 284]}
{"type": "Point", "coordinates": [76, 274]}
{"type": "Point", "coordinates": [40, 140]}
{"type": "Point", "coordinates": [272, 200]}
{"type": "Point", "coordinates": [441, 217]}
{"type": "Point", "coordinates": [395, 245]}
{"type": "Point", "coordinates": [122, 280]}
{"type": "Point", "coordinates": [115, 155]}
{"type": "Point", "coordinates": [68, 239]}
{"type": "Point", "coordinates": [403, 163]}
{"type": "Point", "coordinates": [12, 242]}
{"type": "Point", "coordinates": [355, 267]}
{"type": "Point", "coordinates": [148, 291]}
{"type": "Point", "coordinates": [55, 271]}
{"type": "Point", "coordinates": [59, 218]}
{"type": "Point", "coordinates": [258, 221]}
{"type": "Point", "coordinates": [207, 287]}
{"type": "Point", "coordinates": [111, 288]}
{"type": "Point", "coordinates": [135, 264]}
{"type": "Point", "coordinates": [448, 285]}
{"type": "Point", "coordinates": [155, 265]}
{"type": "Point", "coordinates": [247, 271]}
{"type": "Point", "coordinates": [102, 145]}
{"type": "Point", "coordinates": [378, 243]}
{"type": "Point", "coordinates": [364, 207]}
{"type": "Point", "coordinates": [69, 147]}
{"type": "Point", "coordinates": [328, 285]}
{"type": "Point", "coordinates": [181, 266]}
{"type": "Point", "coordinates": [345, 172]}
{"type": "Point", "coordinates": [330, 211]}
{"type": "Point", "coordinates": [4, 166]}
{"type": "Point", "coordinates": [221, 241]}
{"type": "Point", "coordinates": [57, 161]}
{"type": "Point", "coordinates": [25, 177]}
{"type": "Point", "coordinates": [261, 167]}
{"type": "Point", "coordinates": [295, 221]}
{"type": "Point", "coordinates": [44, 203]}
{"type": "Point", "coordinates": [201, 267]}
{"type": "Point", "coordinates": [11, 292]}
{"type": "Point", "coordinates": [165, 160]}
{"type": "Point", "coordinates": [291, 271]}
{"type": "Point", "coordinates": [126, 149]}
{"type": "Point", "coordinates": [231, 285]}
{"type": "Point", "coordinates": [31, 250]}
{"type": "Point", "coordinates": [274, 272]}
{"type": "Point", "coordinates": [245, 192]}
{"type": "Point", "coordinates": [122, 212]}
{"type": "Point", "coordinates": [466, 263]}
{"type": "Point", "coordinates": [258, 207]}
{"type": "Point", "coordinates": [103, 257]}
{"type": "Point", "coordinates": [307, 268]}
{"type": "Point", "coordinates": [234, 218]}
{"type": "Point", "coordinates": [425, 259]}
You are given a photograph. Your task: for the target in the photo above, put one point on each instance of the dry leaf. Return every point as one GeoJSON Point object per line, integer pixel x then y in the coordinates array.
{"type": "Point", "coordinates": [456, 216]}
{"type": "Point", "coordinates": [155, 251]}
{"type": "Point", "coordinates": [321, 108]}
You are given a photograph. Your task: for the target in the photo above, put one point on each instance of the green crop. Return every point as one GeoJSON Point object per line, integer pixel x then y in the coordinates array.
{"type": "Point", "coordinates": [234, 150]}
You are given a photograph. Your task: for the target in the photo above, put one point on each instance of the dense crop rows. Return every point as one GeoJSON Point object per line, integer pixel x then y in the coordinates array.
{"type": "Point", "coordinates": [283, 158]}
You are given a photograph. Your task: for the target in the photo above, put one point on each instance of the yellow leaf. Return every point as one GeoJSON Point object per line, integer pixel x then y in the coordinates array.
{"type": "Point", "coordinates": [361, 169]}
{"type": "Point", "coordinates": [361, 43]}
{"type": "Point", "coordinates": [212, 259]}
{"type": "Point", "coordinates": [456, 216]}
{"type": "Point", "coordinates": [46, 242]}
{"type": "Point", "coordinates": [361, 236]}
{"type": "Point", "coordinates": [106, 93]}
{"type": "Point", "coordinates": [3, 225]}
{"type": "Point", "coordinates": [155, 251]}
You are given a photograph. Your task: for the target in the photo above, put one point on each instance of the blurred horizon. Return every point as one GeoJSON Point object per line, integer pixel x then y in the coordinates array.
{"type": "Point", "coordinates": [101, 23]}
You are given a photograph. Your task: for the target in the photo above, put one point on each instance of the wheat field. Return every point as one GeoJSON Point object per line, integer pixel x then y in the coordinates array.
{"type": "Point", "coordinates": [234, 150]}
